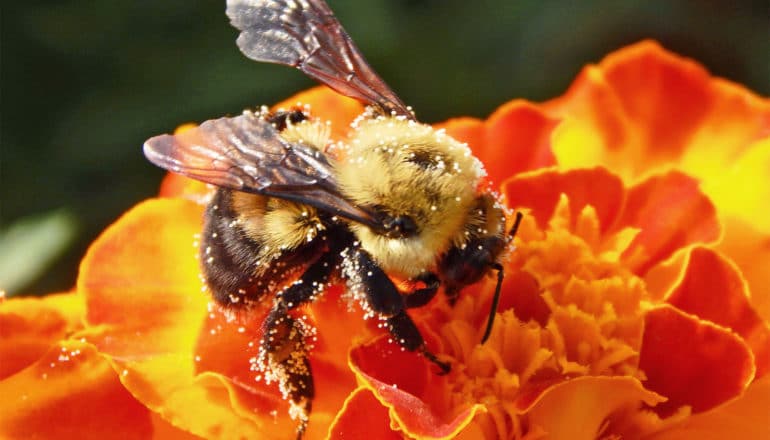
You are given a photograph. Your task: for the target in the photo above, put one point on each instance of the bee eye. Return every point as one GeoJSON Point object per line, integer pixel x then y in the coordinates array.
{"type": "Point", "coordinates": [401, 226]}
{"type": "Point", "coordinates": [422, 159]}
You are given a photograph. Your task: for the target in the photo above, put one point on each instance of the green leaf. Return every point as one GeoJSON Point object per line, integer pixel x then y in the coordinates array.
{"type": "Point", "coordinates": [30, 245]}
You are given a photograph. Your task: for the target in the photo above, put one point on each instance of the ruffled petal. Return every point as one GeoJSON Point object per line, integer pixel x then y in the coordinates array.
{"type": "Point", "coordinates": [363, 416]}
{"type": "Point", "coordinates": [70, 392]}
{"type": "Point", "coordinates": [692, 362]}
{"type": "Point", "coordinates": [515, 138]}
{"type": "Point", "coordinates": [750, 250]}
{"type": "Point", "coordinates": [712, 289]}
{"type": "Point", "coordinates": [643, 107]}
{"type": "Point", "coordinates": [671, 213]}
{"type": "Point", "coordinates": [585, 407]}
{"type": "Point", "coordinates": [30, 326]}
{"type": "Point", "coordinates": [743, 418]}
{"type": "Point", "coordinates": [400, 380]}
{"type": "Point", "coordinates": [540, 191]}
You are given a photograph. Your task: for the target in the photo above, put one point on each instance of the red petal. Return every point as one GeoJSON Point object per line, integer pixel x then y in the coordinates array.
{"type": "Point", "coordinates": [540, 191]}
{"type": "Point", "coordinates": [692, 362]}
{"type": "Point", "coordinates": [671, 213]}
{"type": "Point", "coordinates": [712, 289]}
{"type": "Point", "coordinates": [401, 389]}
{"type": "Point", "coordinates": [515, 138]}
{"type": "Point", "coordinates": [363, 416]}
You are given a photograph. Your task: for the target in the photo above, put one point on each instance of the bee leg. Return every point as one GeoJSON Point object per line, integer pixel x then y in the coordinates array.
{"type": "Point", "coordinates": [420, 297]}
{"type": "Point", "coordinates": [284, 354]}
{"type": "Point", "coordinates": [384, 298]}
{"type": "Point", "coordinates": [283, 358]}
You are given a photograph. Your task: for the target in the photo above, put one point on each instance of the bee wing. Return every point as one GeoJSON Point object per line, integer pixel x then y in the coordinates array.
{"type": "Point", "coordinates": [306, 35]}
{"type": "Point", "coordinates": [246, 153]}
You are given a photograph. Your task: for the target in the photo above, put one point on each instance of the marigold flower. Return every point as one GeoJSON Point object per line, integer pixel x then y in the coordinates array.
{"type": "Point", "coordinates": [633, 305]}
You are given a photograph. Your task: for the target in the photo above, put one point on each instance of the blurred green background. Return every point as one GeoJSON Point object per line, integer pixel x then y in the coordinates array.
{"type": "Point", "coordinates": [84, 83]}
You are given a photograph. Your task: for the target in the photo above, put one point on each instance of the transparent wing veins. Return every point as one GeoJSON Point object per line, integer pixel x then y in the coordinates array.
{"type": "Point", "coordinates": [306, 35]}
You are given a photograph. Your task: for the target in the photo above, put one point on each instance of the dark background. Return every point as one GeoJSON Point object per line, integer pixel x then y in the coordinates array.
{"type": "Point", "coordinates": [84, 83]}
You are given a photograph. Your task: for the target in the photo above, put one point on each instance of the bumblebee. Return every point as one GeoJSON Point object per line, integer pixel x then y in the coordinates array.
{"type": "Point", "coordinates": [291, 214]}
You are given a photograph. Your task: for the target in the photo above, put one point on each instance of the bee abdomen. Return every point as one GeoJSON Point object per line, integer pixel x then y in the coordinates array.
{"type": "Point", "coordinates": [229, 258]}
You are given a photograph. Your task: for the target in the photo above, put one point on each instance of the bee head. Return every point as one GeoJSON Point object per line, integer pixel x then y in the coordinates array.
{"type": "Point", "coordinates": [421, 181]}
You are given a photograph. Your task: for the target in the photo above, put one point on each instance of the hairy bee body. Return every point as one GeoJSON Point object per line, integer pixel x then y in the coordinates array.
{"type": "Point", "coordinates": [242, 257]}
{"type": "Point", "coordinates": [251, 243]}
{"type": "Point", "coordinates": [294, 212]}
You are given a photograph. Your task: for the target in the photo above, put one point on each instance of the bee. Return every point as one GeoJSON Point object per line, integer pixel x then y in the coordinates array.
{"type": "Point", "coordinates": [291, 215]}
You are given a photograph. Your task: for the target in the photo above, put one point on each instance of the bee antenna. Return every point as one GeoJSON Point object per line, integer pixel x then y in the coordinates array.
{"type": "Point", "coordinates": [495, 300]}
{"type": "Point", "coordinates": [499, 287]}
{"type": "Point", "coordinates": [515, 227]}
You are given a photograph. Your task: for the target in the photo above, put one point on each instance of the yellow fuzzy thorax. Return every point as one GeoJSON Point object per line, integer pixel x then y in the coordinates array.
{"type": "Point", "coordinates": [278, 225]}
{"type": "Point", "coordinates": [406, 168]}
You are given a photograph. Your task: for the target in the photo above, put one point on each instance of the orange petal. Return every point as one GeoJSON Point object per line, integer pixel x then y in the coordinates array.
{"type": "Point", "coordinates": [540, 191]}
{"type": "Point", "coordinates": [738, 185]}
{"type": "Point", "coordinates": [140, 280]}
{"type": "Point", "coordinates": [401, 389]}
{"type": "Point", "coordinates": [327, 104]}
{"type": "Point", "coordinates": [743, 418]}
{"type": "Point", "coordinates": [30, 326]}
{"type": "Point", "coordinates": [70, 392]}
{"type": "Point", "coordinates": [229, 345]}
{"type": "Point", "coordinates": [163, 430]}
{"type": "Point", "coordinates": [176, 185]}
{"type": "Point", "coordinates": [581, 408]}
{"type": "Point", "coordinates": [515, 138]}
{"type": "Point", "coordinates": [146, 309]}
{"type": "Point", "coordinates": [363, 416]}
{"type": "Point", "coordinates": [712, 289]}
{"type": "Point", "coordinates": [671, 213]}
{"type": "Point", "coordinates": [192, 364]}
{"type": "Point", "coordinates": [750, 250]}
{"type": "Point", "coordinates": [692, 362]}
{"type": "Point", "coordinates": [642, 107]}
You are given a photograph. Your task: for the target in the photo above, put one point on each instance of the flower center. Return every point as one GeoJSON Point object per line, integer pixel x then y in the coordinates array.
{"type": "Point", "coordinates": [569, 308]}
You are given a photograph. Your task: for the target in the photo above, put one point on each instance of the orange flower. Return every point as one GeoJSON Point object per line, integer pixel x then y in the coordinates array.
{"type": "Point", "coordinates": [632, 306]}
